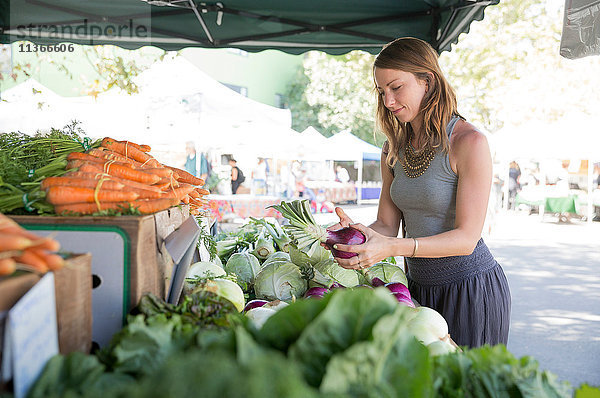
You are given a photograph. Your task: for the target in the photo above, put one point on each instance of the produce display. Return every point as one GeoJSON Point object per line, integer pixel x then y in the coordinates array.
{"type": "Point", "coordinates": [352, 342]}
{"type": "Point", "coordinates": [293, 324]}
{"type": "Point", "coordinates": [23, 250]}
{"type": "Point", "coordinates": [67, 174]}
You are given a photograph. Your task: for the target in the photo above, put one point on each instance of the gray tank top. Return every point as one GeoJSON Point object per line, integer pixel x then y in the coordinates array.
{"type": "Point", "coordinates": [428, 202]}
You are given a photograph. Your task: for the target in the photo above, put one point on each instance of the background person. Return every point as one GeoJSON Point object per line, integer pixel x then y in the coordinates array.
{"type": "Point", "coordinates": [190, 158]}
{"type": "Point", "coordinates": [342, 174]}
{"type": "Point", "coordinates": [437, 175]}
{"type": "Point", "coordinates": [259, 177]}
{"type": "Point", "coordinates": [237, 176]}
{"type": "Point", "coordinates": [514, 185]}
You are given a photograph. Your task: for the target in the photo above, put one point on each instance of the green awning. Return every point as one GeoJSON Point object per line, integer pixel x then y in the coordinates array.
{"type": "Point", "coordinates": [333, 26]}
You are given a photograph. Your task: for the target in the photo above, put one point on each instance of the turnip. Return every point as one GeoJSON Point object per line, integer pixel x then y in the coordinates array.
{"type": "Point", "coordinates": [254, 304]}
{"type": "Point", "coordinates": [309, 235]}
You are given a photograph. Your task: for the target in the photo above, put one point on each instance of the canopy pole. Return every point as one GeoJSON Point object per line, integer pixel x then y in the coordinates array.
{"type": "Point", "coordinates": [360, 179]}
{"type": "Point", "coordinates": [202, 23]}
{"type": "Point", "coordinates": [590, 191]}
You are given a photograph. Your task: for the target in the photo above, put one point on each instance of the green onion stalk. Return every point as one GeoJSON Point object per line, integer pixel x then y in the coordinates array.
{"type": "Point", "coordinates": [303, 227]}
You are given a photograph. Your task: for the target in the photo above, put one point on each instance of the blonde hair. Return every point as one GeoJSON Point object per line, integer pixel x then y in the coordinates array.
{"type": "Point", "coordinates": [416, 56]}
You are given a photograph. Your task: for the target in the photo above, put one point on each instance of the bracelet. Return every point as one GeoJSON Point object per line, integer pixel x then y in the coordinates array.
{"type": "Point", "coordinates": [416, 247]}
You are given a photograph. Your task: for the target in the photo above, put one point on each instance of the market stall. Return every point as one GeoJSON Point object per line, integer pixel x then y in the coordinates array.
{"type": "Point", "coordinates": [267, 311]}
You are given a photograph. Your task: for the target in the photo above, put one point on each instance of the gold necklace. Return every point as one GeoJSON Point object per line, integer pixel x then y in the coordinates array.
{"type": "Point", "coordinates": [416, 163]}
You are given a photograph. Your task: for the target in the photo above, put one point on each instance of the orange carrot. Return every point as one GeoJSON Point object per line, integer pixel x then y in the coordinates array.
{"type": "Point", "coordinates": [46, 244]}
{"type": "Point", "coordinates": [111, 155]}
{"type": "Point", "coordinates": [128, 183]}
{"type": "Point", "coordinates": [198, 202]}
{"type": "Point", "coordinates": [75, 158]}
{"type": "Point", "coordinates": [146, 194]}
{"type": "Point", "coordinates": [80, 182]}
{"type": "Point", "coordinates": [85, 157]}
{"type": "Point", "coordinates": [145, 206]}
{"type": "Point", "coordinates": [186, 199]}
{"type": "Point", "coordinates": [7, 266]}
{"type": "Point", "coordinates": [120, 171]}
{"type": "Point", "coordinates": [130, 152]}
{"type": "Point", "coordinates": [53, 261]}
{"type": "Point", "coordinates": [203, 191]}
{"type": "Point", "coordinates": [194, 194]}
{"type": "Point", "coordinates": [143, 148]}
{"type": "Point", "coordinates": [168, 182]}
{"type": "Point", "coordinates": [184, 176]}
{"type": "Point", "coordinates": [180, 192]}
{"type": "Point", "coordinates": [28, 257]}
{"type": "Point", "coordinates": [163, 172]}
{"type": "Point", "coordinates": [12, 228]}
{"type": "Point", "coordinates": [13, 242]}
{"type": "Point", "coordinates": [58, 195]}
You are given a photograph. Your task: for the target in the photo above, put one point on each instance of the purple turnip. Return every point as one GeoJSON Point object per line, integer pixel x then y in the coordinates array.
{"type": "Point", "coordinates": [398, 288]}
{"type": "Point", "coordinates": [376, 282]}
{"type": "Point", "coordinates": [316, 292]}
{"type": "Point", "coordinates": [402, 299]}
{"type": "Point", "coordinates": [308, 235]}
{"type": "Point", "coordinates": [254, 304]}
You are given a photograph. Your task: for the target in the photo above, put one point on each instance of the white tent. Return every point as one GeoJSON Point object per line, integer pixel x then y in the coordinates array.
{"type": "Point", "coordinates": [572, 137]}
{"type": "Point", "coordinates": [347, 146]}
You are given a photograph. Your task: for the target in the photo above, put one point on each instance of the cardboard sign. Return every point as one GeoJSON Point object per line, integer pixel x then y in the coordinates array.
{"type": "Point", "coordinates": [30, 337]}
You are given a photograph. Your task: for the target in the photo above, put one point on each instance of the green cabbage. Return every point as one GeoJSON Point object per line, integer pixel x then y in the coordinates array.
{"type": "Point", "coordinates": [245, 266]}
{"type": "Point", "coordinates": [330, 269]}
{"type": "Point", "coordinates": [277, 256]}
{"type": "Point", "coordinates": [225, 288]}
{"type": "Point", "coordinates": [202, 269]}
{"type": "Point", "coordinates": [387, 272]}
{"type": "Point", "coordinates": [279, 281]}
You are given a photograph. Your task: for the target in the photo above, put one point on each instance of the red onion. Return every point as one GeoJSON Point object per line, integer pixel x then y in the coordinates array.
{"type": "Point", "coordinates": [345, 236]}
{"type": "Point", "coordinates": [316, 292]}
{"type": "Point", "coordinates": [254, 304]}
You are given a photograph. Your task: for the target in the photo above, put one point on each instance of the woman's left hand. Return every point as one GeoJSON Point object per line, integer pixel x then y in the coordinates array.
{"type": "Point", "coordinates": [374, 249]}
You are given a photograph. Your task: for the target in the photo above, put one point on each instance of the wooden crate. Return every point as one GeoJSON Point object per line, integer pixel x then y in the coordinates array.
{"type": "Point", "coordinates": [143, 266]}
{"type": "Point", "coordinates": [73, 289]}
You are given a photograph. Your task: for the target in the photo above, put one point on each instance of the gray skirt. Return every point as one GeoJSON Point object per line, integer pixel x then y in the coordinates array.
{"type": "Point", "coordinates": [471, 292]}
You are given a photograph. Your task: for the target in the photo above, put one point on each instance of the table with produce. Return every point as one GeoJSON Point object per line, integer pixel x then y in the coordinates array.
{"type": "Point", "coordinates": [268, 313]}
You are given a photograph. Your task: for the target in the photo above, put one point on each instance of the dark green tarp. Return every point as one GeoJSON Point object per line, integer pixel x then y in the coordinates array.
{"type": "Point", "coordinates": [333, 26]}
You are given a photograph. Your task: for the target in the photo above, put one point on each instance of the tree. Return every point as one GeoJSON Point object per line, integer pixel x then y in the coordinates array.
{"type": "Point", "coordinates": [506, 70]}
{"type": "Point", "coordinates": [108, 66]}
{"type": "Point", "coordinates": [334, 93]}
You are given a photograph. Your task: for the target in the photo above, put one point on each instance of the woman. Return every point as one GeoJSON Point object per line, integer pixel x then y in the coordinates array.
{"type": "Point", "coordinates": [237, 177]}
{"type": "Point", "coordinates": [437, 173]}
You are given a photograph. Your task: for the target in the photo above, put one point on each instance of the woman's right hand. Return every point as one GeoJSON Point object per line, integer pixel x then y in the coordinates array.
{"type": "Point", "coordinates": [345, 221]}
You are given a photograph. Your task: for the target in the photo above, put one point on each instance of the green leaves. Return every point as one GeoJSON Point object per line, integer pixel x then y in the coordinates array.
{"type": "Point", "coordinates": [348, 318]}
{"type": "Point", "coordinates": [493, 372]}
{"type": "Point", "coordinates": [393, 363]}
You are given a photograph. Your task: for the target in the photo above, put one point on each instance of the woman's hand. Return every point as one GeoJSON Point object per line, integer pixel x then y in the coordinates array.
{"type": "Point", "coordinates": [375, 249]}
{"type": "Point", "coordinates": [345, 221]}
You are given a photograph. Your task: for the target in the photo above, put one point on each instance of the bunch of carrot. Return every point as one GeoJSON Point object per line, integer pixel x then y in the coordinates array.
{"type": "Point", "coordinates": [119, 175]}
{"type": "Point", "coordinates": [22, 249]}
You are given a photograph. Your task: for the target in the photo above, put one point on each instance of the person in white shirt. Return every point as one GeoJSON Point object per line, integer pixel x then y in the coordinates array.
{"type": "Point", "coordinates": [259, 177]}
{"type": "Point", "coordinates": [342, 174]}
